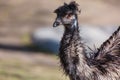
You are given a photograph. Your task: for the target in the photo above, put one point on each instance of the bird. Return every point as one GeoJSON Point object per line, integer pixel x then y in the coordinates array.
{"type": "Point", "coordinates": [103, 64]}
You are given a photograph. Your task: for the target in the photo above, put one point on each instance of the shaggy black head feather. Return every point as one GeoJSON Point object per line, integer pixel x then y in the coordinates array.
{"type": "Point", "coordinates": [62, 10]}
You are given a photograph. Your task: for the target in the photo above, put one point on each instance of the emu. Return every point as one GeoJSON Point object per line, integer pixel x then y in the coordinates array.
{"type": "Point", "coordinates": [104, 64]}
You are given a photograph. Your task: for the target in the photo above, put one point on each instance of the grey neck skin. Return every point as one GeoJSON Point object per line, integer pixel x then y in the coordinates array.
{"type": "Point", "coordinates": [73, 26]}
{"type": "Point", "coordinates": [72, 53]}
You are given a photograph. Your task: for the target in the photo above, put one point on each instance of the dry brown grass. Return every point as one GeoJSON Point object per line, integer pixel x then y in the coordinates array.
{"type": "Point", "coordinates": [23, 66]}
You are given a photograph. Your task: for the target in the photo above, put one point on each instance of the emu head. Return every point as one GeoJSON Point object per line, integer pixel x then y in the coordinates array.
{"type": "Point", "coordinates": [66, 14]}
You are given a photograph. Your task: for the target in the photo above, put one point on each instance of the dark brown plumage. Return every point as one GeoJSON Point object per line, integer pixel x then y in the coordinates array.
{"type": "Point", "coordinates": [104, 64]}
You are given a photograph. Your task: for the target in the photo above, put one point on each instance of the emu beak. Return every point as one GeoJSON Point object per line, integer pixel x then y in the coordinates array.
{"type": "Point", "coordinates": [57, 22]}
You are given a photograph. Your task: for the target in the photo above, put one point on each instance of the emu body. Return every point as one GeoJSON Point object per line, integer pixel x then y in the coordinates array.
{"type": "Point", "coordinates": [103, 65]}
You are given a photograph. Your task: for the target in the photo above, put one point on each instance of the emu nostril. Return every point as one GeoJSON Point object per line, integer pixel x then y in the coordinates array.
{"type": "Point", "coordinates": [56, 24]}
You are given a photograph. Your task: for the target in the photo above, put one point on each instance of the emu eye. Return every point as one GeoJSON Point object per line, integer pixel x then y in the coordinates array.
{"type": "Point", "coordinates": [69, 15]}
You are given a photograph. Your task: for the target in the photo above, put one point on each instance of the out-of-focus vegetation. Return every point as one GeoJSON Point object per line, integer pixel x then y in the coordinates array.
{"type": "Point", "coordinates": [28, 67]}
{"type": "Point", "coordinates": [16, 70]}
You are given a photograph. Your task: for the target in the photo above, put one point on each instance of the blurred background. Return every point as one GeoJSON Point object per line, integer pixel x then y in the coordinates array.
{"type": "Point", "coordinates": [29, 44]}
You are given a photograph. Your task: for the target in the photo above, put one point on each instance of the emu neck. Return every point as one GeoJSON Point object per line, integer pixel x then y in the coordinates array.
{"type": "Point", "coordinates": [72, 53]}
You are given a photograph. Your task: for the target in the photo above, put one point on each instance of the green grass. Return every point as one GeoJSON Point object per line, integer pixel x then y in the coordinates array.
{"type": "Point", "coordinates": [17, 70]}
